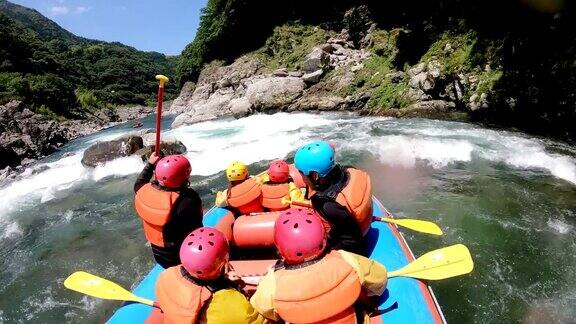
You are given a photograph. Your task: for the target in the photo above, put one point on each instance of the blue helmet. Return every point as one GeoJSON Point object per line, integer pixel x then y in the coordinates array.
{"type": "Point", "coordinates": [317, 156]}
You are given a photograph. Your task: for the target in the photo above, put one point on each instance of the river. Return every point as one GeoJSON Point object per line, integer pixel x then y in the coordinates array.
{"type": "Point", "coordinates": [510, 197]}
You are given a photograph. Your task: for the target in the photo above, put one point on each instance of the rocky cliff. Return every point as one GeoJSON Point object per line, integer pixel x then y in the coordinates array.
{"type": "Point", "coordinates": [502, 63]}
{"type": "Point", "coordinates": [304, 68]}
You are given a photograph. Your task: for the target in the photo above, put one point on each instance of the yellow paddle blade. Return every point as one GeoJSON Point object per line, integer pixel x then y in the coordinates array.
{"type": "Point", "coordinates": [416, 225]}
{"type": "Point", "coordinates": [95, 286]}
{"type": "Point", "coordinates": [439, 264]}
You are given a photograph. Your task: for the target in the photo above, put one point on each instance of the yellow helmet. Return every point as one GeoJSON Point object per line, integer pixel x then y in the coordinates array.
{"type": "Point", "coordinates": [236, 171]}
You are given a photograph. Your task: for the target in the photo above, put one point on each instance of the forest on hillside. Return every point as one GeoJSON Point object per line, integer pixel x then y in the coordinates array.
{"type": "Point", "coordinates": [59, 74]}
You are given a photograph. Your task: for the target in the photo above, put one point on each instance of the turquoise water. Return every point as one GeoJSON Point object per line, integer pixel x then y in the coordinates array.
{"type": "Point", "coordinates": [509, 197]}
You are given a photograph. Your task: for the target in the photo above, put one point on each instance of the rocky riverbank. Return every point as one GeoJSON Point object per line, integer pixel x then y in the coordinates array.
{"type": "Point", "coordinates": [26, 136]}
{"type": "Point", "coordinates": [351, 70]}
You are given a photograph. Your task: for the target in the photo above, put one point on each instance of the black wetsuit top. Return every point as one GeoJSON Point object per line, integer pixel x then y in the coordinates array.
{"type": "Point", "coordinates": [345, 233]}
{"type": "Point", "coordinates": [185, 217]}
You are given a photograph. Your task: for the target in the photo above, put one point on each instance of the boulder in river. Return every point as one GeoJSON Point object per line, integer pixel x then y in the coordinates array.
{"type": "Point", "coordinates": [102, 152]}
{"type": "Point", "coordinates": [166, 148]}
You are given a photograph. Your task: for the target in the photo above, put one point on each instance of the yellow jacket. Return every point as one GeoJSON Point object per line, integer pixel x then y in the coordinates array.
{"type": "Point", "coordinates": [372, 276]}
{"type": "Point", "coordinates": [229, 306]}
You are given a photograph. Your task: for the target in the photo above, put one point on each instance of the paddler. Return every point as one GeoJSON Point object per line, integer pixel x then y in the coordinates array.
{"type": "Point", "coordinates": [341, 195]}
{"type": "Point", "coordinates": [244, 193]}
{"type": "Point", "coordinates": [201, 290]}
{"type": "Point", "coordinates": [168, 207]}
{"type": "Point", "coordinates": [330, 284]}
{"type": "Point", "coordinates": [278, 189]}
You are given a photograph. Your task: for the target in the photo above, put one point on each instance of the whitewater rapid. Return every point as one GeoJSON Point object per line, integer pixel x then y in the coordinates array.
{"type": "Point", "coordinates": [213, 144]}
{"type": "Point", "coordinates": [510, 197]}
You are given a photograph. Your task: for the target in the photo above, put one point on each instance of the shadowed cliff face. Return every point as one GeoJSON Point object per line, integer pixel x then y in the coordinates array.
{"type": "Point", "coordinates": [530, 42]}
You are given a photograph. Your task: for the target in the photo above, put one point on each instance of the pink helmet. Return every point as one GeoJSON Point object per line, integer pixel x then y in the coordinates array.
{"type": "Point", "coordinates": [204, 253]}
{"type": "Point", "coordinates": [299, 235]}
{"type": "Point", "coordinates": [279, 171]}
{"type": "Point", "coordinates": [173, 171]}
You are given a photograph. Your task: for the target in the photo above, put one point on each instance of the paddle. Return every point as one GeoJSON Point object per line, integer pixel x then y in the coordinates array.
{"type": "Point", "coordinates": [161, 79]}
{"type": "Point", "coordinates": [439, 264]}
{"type": "Point", "coordinates": [413, 224]}
{"type": "Point", "coordinates": [95, 286]}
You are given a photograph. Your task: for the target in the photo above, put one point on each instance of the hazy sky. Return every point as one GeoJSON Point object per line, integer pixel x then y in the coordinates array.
{"type": "Point", "coordinates": [165, 26]}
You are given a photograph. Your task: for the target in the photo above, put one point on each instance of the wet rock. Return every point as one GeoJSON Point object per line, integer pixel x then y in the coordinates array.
{"type": "Point", "coordinates": [6, 173]}
{"type": "Point", "coordinates": [395, 77]}
{"type": "Point", "coordinates": [283, 72]}
{"type": "Point", "coordinates": [317, 59]}
{"type": "Point", "coordinates": [422, 81]}
{"type": "Point", "coordinates": [169, 147]}
{"type": "Point", "coordinates": [419, 68]}
{"type": "Point", "coordinates": [313, 77]}
{"type": "Point", "coordinates": [317, 102]}
{"type": "Point", "coordinates": [102, 152]}
{"type": "Point", "coordinates": [274, 92]}
{"type": "Point", "coordinates": [477, 102]}
{"type": "Point", "coordinates": [240, 107]}
{"type": "Point", "coordinates": [295, 74]}
{"type": "Point", "coordinates": [439, 105]}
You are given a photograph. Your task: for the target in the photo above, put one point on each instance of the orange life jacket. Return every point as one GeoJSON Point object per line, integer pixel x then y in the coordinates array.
{"type": "Point", "coordinates": [324, 292]}
{"type": "Point", "coordinates": [154, 207]}
{"type": "Point", "coordinates": [272, 195]}
{"type": "Point", "coordinates": [181, 300]}
{"type": "Point", "coordinates": [246, 197]}
{"type": "Point", "coordinates": [356, 196]}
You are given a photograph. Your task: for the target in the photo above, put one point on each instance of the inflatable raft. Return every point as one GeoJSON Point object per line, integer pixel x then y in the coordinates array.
{"type": "Point", "coordinates": [405, 300]}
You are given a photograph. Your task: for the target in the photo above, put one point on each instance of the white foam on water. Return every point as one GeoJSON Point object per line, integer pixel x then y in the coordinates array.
{"type": "Point", "coordinates": [213, 144]}
{"type": "Point", "coordinates": [559, 226]}
{"type": "Point", "coordinates": [405, 151]}
{"type": "Point", "coordinates": [10, 231]}
{"type": "Point", "coordinates": [251, 139]}
{"type": "Point", "coordinates": [514, 149]}
{"type": "Point", "coordinates": [119, 167]}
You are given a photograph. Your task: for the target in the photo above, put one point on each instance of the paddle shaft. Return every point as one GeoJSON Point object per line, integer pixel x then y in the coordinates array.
{"type": "Point", "coordinates": [159, 117]}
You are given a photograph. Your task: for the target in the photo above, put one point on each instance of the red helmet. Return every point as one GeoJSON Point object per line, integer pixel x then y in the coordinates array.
{"type": "Point", "coordinates": [299, 235]}
{"type": "Point", "coordinates": [279, 171]}
{"type": "Point", "coordinates": [204, 253]}
{"type": "Point", "coordinates": [173, 171]}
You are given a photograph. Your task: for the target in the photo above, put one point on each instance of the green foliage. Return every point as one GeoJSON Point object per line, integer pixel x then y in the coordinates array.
{"type": "Point", "coordinates": [383, 43]}
{"type": "Point", "coordinates": [87, 99]}
{"type": "Point", "coordinates": [290, 43]}
{"type": "Point", "coordinates": [374, 78]}
{"type": "Point", "coordinates": [43, 110]}
{"type": "Point", "coordinates": [51, 91]}
{"type": "Point", "coordinates": [487, 80]}
{"type": "Point", "coordinates": [12, 85]}
{"type": "Point", "coordinates": [213, 22]}
{"type": "Point", "coordinates": [453, 51]}
{"type": "Point", "coordinates": [389, 95]}
{"type": "Point", "coordinates": [42, 64]}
